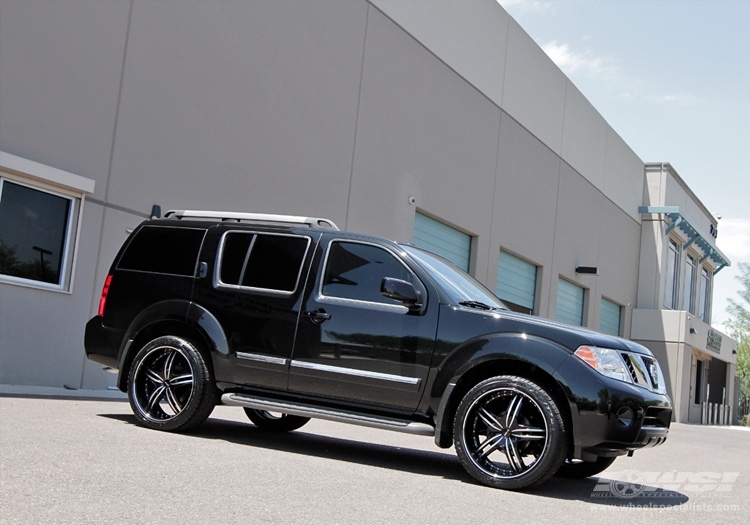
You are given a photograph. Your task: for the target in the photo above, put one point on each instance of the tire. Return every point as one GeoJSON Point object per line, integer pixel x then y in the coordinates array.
{"type": "Point", "coordinates": [170, 385]}
{"type": "Point", "coordinates": [584, 469]}
{"type": "Point", "coordinates": [509, 433]}
{"type": "Point", "coordinates": [275, 422]}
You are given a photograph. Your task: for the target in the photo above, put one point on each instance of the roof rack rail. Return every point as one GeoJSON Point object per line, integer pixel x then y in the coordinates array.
{"type": "Point", "coordinates": [312, 222]}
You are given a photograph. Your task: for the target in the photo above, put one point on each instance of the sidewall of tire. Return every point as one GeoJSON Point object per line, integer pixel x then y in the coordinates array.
{"type": "Point", "coordinates": [202, 400]}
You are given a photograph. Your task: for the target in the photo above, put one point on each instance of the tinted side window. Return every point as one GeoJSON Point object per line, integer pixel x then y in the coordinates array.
{"type": "Point", "coordinates": [355, 271]}
{"type": "Point", "coordinates": [163, 250]}
{"type": "Point", "coordinates": [264, 261]}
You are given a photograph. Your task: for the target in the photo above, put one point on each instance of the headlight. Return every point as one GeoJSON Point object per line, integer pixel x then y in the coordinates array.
{"type": "Point", "coordinates": [605, 361]}
{"type": "Point", "coordinates": [629, 367]}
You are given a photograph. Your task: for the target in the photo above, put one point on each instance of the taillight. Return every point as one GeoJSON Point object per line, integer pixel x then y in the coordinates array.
{"type": "Point", "coordinates": [103, 298]}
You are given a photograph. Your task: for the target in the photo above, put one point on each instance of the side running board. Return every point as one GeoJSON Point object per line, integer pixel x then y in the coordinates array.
{"type": "Point", "coordinates": [341, 416]}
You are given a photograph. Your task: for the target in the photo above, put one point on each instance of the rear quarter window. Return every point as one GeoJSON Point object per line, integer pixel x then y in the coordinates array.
{"type": "Point", "coordinates": [158, 249]}
{"type": "Point", "coordinates": [258, 261]}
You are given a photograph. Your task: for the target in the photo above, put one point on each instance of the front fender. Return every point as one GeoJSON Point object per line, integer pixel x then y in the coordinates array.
{"type": "Point", "coordinates": [482, 357]}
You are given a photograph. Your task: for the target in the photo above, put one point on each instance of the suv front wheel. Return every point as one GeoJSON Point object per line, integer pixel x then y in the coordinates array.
{"type": "Point", "coordinates": [170, 385]}
{"type": "Point", "coordinates": [509, 433]}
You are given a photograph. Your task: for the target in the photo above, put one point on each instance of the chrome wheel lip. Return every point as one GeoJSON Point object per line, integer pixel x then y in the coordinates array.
{"type": "Point", "coordinates": [505, 433]}
{"type": "Point", "coordinates": [155, 386]}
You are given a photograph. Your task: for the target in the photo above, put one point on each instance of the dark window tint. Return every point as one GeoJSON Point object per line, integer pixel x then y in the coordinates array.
{"type": "Point", "coordinates": [234, 256]}
{"type": "Point", "coordinates": [33, 229]}
{"type": "Point", "coordinates": [355, 271]}
{"type": "Point", "coordinates": [163, 250]}
{"type": "Point", "coordinates": [270, 262]}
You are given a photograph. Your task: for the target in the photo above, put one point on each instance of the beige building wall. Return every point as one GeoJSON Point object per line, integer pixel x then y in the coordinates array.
{"type": "Point", "coordinates": [678, 337]}
{"type": "Point", "coordinates": [325, 108]}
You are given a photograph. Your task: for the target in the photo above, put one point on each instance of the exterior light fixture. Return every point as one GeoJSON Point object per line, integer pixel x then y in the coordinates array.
{"type": "Point", "coordinates": [592, 270]}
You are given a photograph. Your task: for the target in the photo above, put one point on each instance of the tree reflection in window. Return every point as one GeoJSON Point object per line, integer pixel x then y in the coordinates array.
{"type": "Point", "coordinates": [33, 230]}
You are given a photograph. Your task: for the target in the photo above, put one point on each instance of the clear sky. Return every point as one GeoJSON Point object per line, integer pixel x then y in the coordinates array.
{"type": "Point", "coordinates": [672, 77]}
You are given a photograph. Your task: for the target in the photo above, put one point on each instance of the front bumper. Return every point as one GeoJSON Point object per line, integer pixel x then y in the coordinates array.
{"type": "Point", "coordinates": [610, 417]}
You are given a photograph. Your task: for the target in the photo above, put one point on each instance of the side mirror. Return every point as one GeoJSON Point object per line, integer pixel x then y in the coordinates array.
{"type": "Point", "coordinates": [402, 291]}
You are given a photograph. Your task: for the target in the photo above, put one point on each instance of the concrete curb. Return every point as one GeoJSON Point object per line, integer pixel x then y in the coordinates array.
{"type": "Point", "coordinates": [61, 393]}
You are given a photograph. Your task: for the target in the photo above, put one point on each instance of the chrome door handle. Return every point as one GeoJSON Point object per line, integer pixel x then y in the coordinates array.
{"type": "Point", "coordinates": [317, 316]}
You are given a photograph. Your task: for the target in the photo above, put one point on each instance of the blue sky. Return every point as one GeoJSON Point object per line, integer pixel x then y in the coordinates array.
{"type": "Point", "coordinates": [672, 77]}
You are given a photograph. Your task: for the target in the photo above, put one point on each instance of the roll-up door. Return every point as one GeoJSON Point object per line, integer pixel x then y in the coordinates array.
{"type": "Point", "coordinates": [609, 318]}
{"type": "Point", "coordinates": [516, 282]}
{"type": "Point", "coordinates": [569, 303]}
{"type": "Point", "coordinates": [443, 240]}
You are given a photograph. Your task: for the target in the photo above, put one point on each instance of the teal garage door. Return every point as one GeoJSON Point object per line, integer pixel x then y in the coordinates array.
{"type": "Point", "coordinates": [516, 282]}
{"type": "Point", "coordinates": [443, 240]}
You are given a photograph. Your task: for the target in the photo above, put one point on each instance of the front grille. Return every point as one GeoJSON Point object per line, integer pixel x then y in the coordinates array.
{"type": "Point", "coordinates": [644, 371]}
{"type": "Point", "coordinates": [637, 369]}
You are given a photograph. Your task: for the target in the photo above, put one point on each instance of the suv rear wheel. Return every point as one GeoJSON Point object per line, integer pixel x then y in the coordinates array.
{"type": "Point", "coordinates": [275, 422]}
{"type": "Point", "coordinates": [508, 433]}
{"type": "Point", "coordinates": [170, 385]}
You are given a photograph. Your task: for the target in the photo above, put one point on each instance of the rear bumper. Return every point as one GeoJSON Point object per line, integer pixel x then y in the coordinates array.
{"type": "Point", "coordinates": [102, 344]}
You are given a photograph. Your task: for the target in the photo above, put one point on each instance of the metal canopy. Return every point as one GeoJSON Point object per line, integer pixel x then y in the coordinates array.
{"type": "Point", "coordinates": [685, 225]}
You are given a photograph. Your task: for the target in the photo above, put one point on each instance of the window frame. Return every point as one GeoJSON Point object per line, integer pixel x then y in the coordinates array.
{"type": "Point", "coordinates": [674, 256]}
{"type": "Point", "coordinates": [46, 179]}
{"type": "Point", "coordinates": [346, 301]}
{"type": "Point", "coordinates": [705, 294]}
{"type": "Point", "coordinates": [219, 284]}
{"type": "Point", "coordinates": [688, 285]}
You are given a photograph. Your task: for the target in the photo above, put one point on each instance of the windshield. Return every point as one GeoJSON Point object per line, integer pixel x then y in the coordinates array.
{"type": "Point", "coordinates": [460, 287]}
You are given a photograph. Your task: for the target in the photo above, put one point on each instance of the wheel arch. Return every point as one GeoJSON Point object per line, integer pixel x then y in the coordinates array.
{"type": "Point", "coordinates": [508, 360]}
{"type": "Point", "coordinates": [178, 318]}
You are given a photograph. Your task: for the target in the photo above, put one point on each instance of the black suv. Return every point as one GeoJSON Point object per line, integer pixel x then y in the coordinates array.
{"type": "Point", "coordinates": [291, 319]}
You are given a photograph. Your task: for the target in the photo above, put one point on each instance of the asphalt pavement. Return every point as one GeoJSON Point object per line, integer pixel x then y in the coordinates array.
{"type": "Point", "coordinates": [81, 460]}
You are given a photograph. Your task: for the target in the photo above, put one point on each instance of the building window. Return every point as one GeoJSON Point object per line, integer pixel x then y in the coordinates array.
{"type": "Point", "coordinates": [443, 240]}
{"type": "Point", "coordinates": [688, 296]}
{"type": "Point", "coordinates": [516, 283]}
{"type": "Point", "coordinates": [704, 296]}
{"type": "Point", "coordinates": [40, 210]}
{"type": "Point", "coordinates": [610, 318]}
{"type": "Point", "coordinates": [570, 299]}
{"type": "Point", "coordinates": [36, 228]}
{"type": "Point", "coordinates": [672, 283]}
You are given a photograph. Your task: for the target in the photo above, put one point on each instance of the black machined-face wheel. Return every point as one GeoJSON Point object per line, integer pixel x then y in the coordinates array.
{"type": "Point", "coordinates": [162, 383]}
{"type": "Point", "coordinates": [505, 433]}
{"type": "Point", "coordinates": [509, 433]}
{"type": "Point", "coordinates": [170, 385]}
